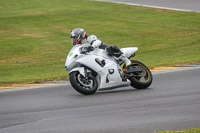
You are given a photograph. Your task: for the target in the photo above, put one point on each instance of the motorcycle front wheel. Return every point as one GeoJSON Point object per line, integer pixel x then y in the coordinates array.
{"type": "Point", "coordinates": [141, 78]}
{"type": "Point", "coordinates": [84, 85]}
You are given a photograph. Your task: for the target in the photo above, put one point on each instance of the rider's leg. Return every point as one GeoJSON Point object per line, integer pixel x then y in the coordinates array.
{"type": "Point", "coordinates": [125, 59]}
{"type": "Point", "coordinates": [116, 52]}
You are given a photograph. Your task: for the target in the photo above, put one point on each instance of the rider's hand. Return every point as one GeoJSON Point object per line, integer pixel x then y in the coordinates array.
{"type": "Point", "coordinates": [90, 48]}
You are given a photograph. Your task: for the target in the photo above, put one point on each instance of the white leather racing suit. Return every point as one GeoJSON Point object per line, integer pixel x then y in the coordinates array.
{"type": "Point", "coordinates": [111, 50]}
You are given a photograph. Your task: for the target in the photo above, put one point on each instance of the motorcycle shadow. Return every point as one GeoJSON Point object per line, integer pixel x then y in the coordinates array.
{"type": "Point", "coordinates": [119, 90]}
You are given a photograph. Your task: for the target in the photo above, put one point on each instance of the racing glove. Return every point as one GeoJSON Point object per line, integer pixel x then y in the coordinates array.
{"type": "Point", "coordinates": [90, 48]}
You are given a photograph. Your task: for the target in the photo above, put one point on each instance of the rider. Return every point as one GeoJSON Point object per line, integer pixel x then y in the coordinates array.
{"type": "Point", "coordinates": [79, 36]}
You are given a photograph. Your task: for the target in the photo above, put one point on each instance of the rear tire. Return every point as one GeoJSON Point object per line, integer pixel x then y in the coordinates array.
{"type": "Point", "coordinates": [140, 80]}
{"type": "Point", "coordinates": [82, 85]}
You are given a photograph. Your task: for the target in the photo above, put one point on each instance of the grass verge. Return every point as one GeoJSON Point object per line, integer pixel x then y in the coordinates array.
{"type": "Point", "coordinates": [196, 130]}
{"type": "Point", "coordinates": [34, 35]}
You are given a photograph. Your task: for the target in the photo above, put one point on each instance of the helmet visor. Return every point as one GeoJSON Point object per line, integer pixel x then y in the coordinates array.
{"type": "Point", "coordinates": [74, 41]}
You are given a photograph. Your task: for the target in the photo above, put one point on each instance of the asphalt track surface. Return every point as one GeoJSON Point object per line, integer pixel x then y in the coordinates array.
{"type": "Point", "coordinates": [171, 103]}
{"type": "Point", "coordinates": [182, 5]}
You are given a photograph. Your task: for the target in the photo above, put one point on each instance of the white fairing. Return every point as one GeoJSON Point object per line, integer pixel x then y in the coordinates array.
{"type": "Point", "coordinates": [72, 53]}
{"type": "Point", "coordinates": [76, 61]}
{"type": "Point", "coordinates": [129, 51]}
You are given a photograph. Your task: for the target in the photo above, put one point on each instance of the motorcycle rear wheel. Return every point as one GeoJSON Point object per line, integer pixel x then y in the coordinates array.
{"type": "Point", "coordinates": [83, 85]}
{"type": "Point", "coordinates": [141, 79]}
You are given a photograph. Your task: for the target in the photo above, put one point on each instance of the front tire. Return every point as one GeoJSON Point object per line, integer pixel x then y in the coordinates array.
{"type": "Point", "coordinates": [142, 78]}
{"type": "Point", "coordinates": [86, 86]}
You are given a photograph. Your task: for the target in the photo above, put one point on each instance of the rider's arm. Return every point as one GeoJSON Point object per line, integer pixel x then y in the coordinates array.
{"type": "Point", "coordinates": [93, 41]}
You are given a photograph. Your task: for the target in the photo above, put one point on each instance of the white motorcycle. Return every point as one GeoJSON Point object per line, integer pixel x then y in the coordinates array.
{"type": "Point", "coordinates": [90, 71]}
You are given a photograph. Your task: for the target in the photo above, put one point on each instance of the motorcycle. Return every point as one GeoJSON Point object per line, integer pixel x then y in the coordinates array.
{"type": "Point", "coordinates": [93, 70]}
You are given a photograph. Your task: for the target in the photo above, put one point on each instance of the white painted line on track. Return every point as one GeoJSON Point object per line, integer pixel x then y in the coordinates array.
{"type": "Point", "coordinates": [159, 7]}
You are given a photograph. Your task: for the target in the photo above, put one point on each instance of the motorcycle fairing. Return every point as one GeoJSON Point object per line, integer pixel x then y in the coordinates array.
{"type": "Point", "coordinates": [111, 79]}
{"type": "Point", "coordinates": [108, 74]}
{"type": "Point", "coordinates": [129, 51]}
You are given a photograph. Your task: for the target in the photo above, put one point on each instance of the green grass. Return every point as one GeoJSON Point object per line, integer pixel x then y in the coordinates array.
{"type": "Point", "coordinates": [34, 35]}
{"type": "Point", "coordinates": [196, 130]}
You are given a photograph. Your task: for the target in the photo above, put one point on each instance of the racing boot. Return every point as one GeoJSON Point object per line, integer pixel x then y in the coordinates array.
{"type": "Point", "coordinates": [125, 59]}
